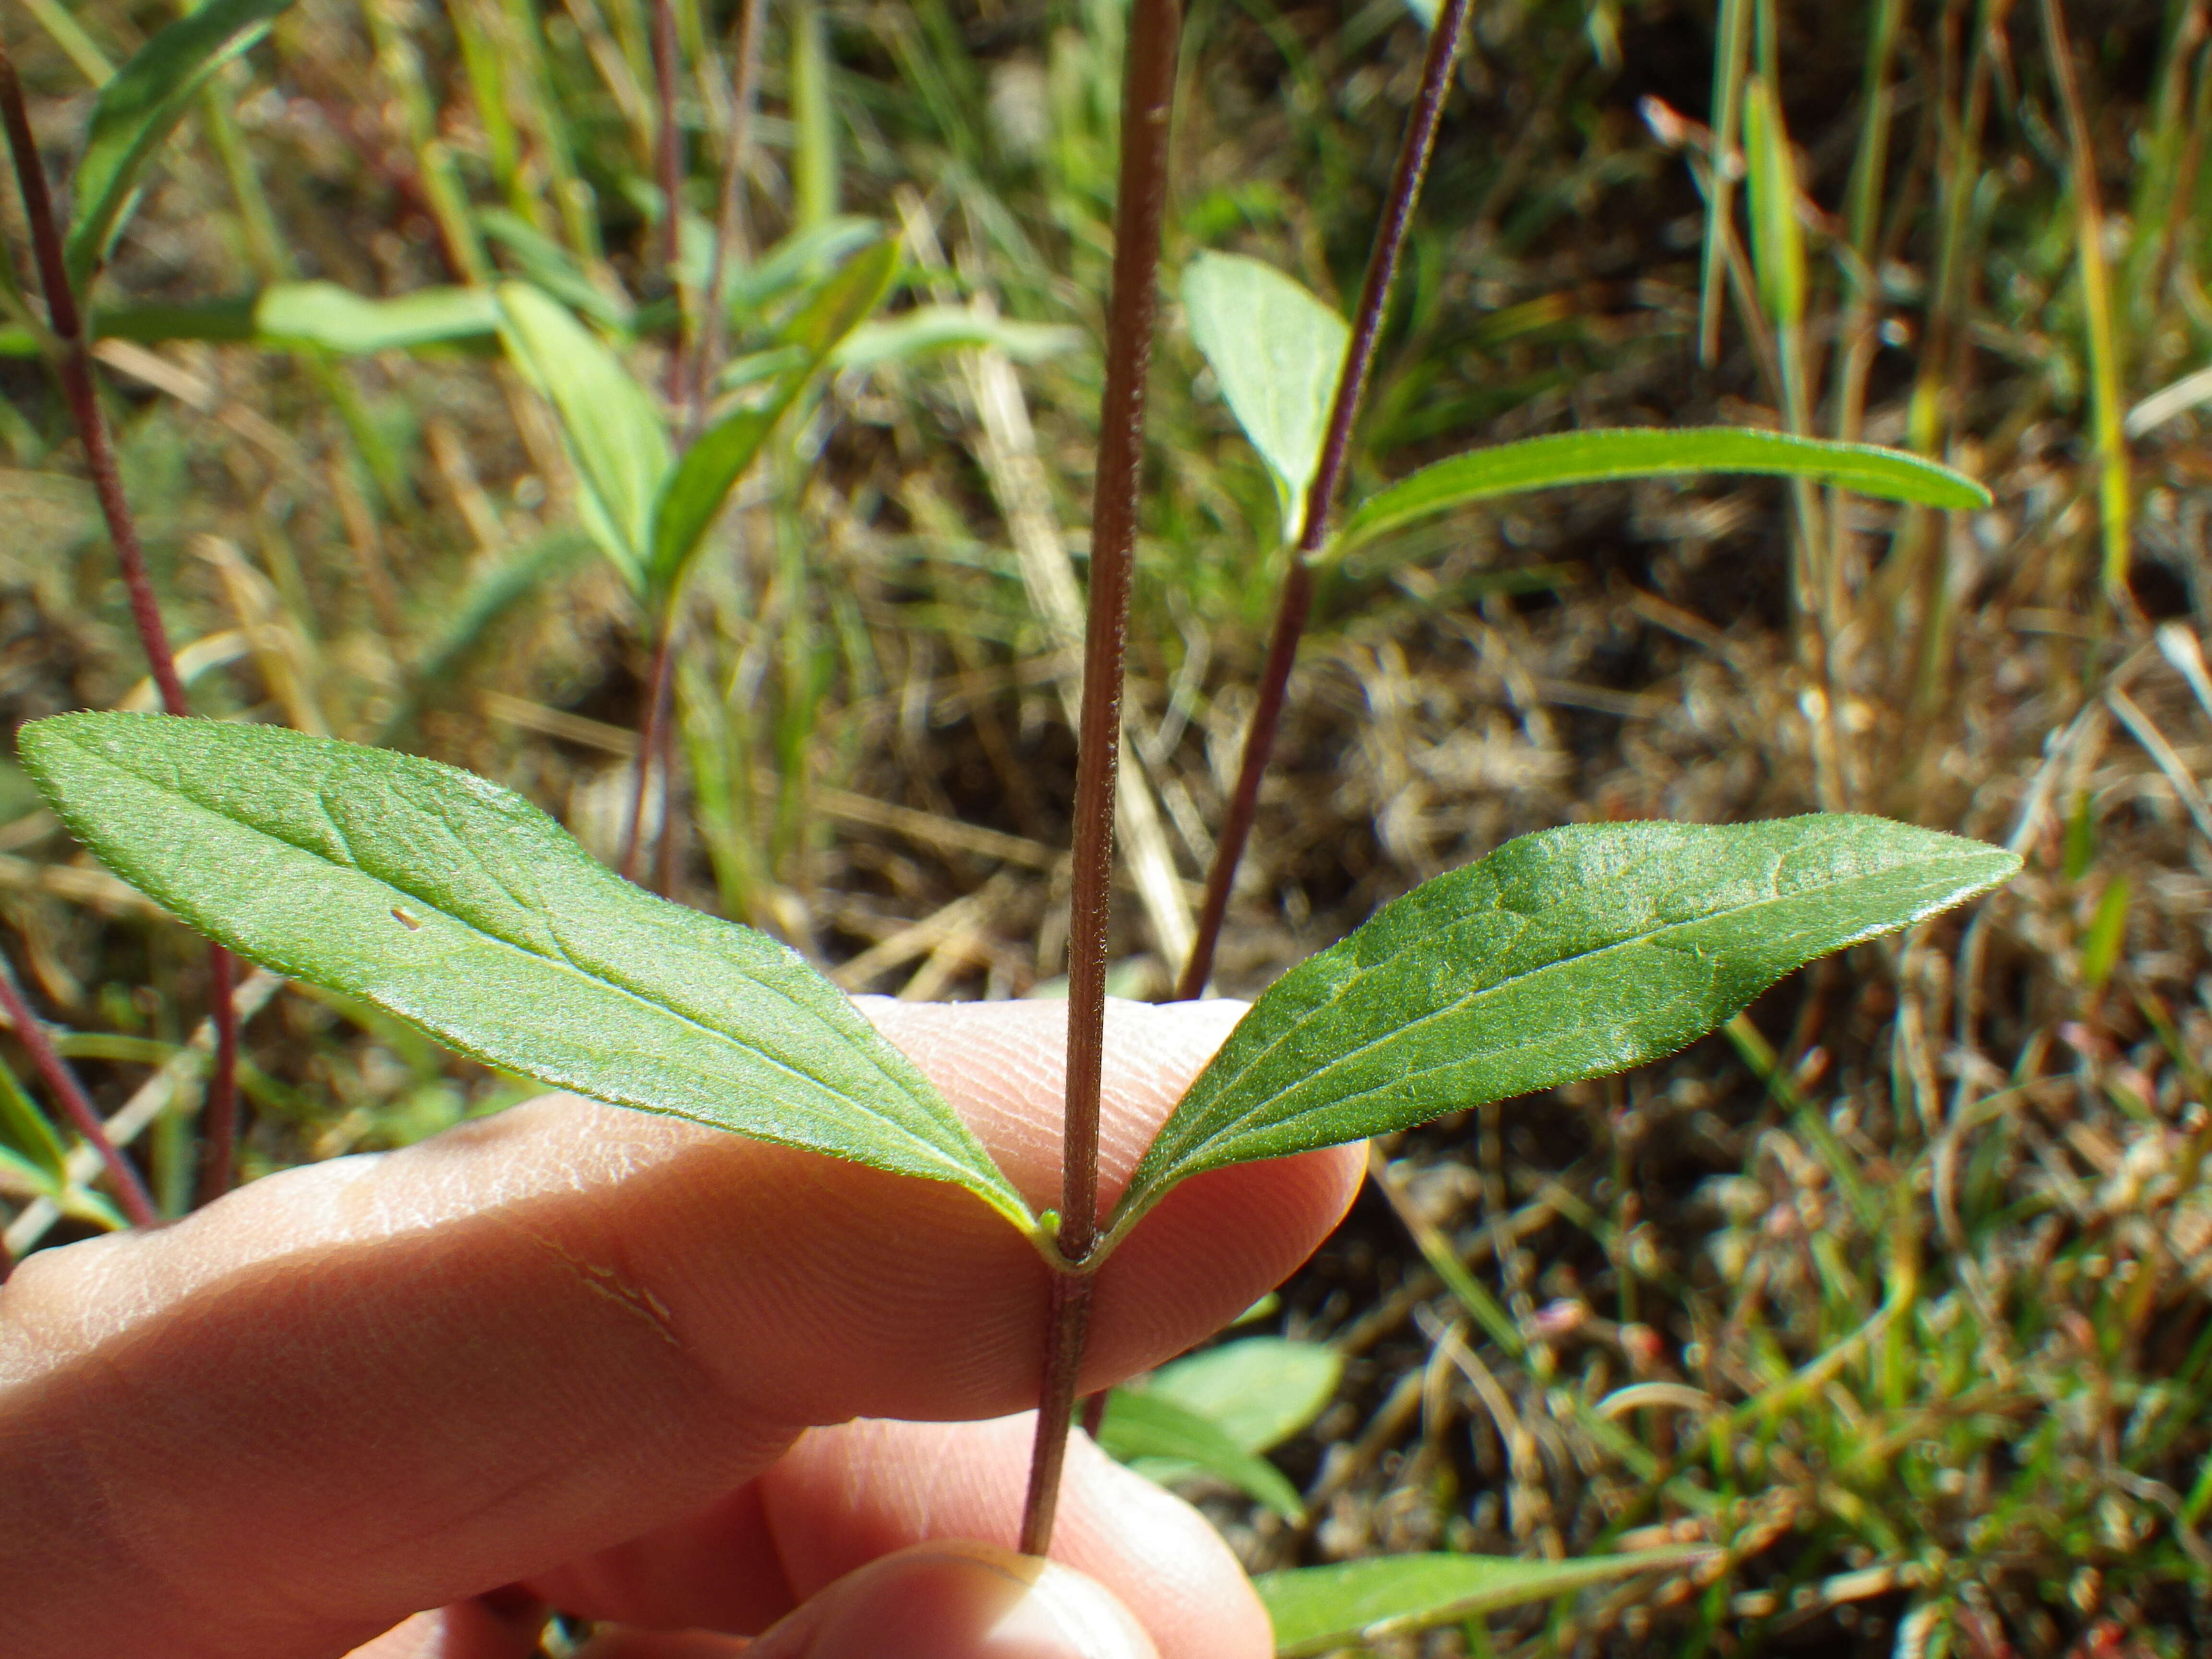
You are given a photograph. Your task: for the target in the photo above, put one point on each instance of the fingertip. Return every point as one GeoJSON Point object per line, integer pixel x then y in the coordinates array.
{"type": "Point", "coordinates": [959, 1599]}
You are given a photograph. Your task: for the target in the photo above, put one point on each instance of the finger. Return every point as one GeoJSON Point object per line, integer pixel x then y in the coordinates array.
{"type": "Point", "coordinates": [952, 1601]}
{"type": "Point", "coordinates": [844, 1496]}
{"type": "Point", "coordinates": [959, 1602]}
{"type": "Point", "coordinates": [485, 1627]}
{"type": "Point", "coordinates": [383, 1383]}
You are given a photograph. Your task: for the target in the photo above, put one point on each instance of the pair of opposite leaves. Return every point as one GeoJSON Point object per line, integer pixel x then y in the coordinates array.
{"type": "Point", "coordinates": [459, 907]}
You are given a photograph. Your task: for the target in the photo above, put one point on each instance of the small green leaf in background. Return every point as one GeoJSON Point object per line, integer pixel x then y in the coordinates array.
{"type": "Point", "coordinates": [1315, 1609]}
{"type": "Point", "coordinates": [710, 469]}
{"type": "Point", "coordinates": [137, 109]}
{"type": "Point", "coordinates": [545, 264]}
{"type": "Point", "coordinates": [1578, 458]}
{"type": "Point", "coordinates": [338, 319]}
{"type": "Point", "coordinates": [1277, 351]}
{"type": "Point", "coordinates": [1261, 1389]}
{"type": "Point", "coordinates": [27, 1142]}
{"type": "Point", "coordinates": [1777, 240]}
{"type": "Point", "coordinates": [1566, 954]}
{"type": "Point", "coordinates": [757, 287]}
{"type": "Point", "coordinates": [2107, 933]}
{"type": "Point", "coordinates": [928, 329]}
{"type": "Point", "coordinates": [463, 909]}
{"type": "Point", "coordinates": [614, 430]}
{"type": "Point", "coordinates": [1141, 1425]}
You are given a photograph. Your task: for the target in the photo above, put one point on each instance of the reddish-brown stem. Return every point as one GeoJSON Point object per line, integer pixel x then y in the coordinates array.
{"type": "Point", "coordinates": [730, 218]}
{"type": "Point", "coordinates": [1295, 603]}
{"type": "Point", "coordinates": [1067, 1318]}
{"type": "Point", "coordinates": [649, 745]}
{"type": "Point", "coordinates": [220, 1126]}
{"type": "Point", "coordinates": [130, 1191]}
{"type": "Point", "coordinates": [668, 164]}
{"type": "Point", "coordinates": [1140, 204]}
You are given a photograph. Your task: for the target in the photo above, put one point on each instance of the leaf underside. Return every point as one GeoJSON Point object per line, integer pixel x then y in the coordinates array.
{"type": "Point", "coordinates": [1593, 456]}
{"type": "Point", "coordinates": [1567, 954]}
{"type": "Point", "coordinates": [1315, 1609]}
{"type": "Point", "coordinates": [459, 907]}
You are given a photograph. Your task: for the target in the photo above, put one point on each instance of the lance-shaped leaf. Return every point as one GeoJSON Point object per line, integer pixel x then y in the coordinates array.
{"type": "Point", "coordinates": [461, 909]}
{"type": "Point", "coordinates": [1571, 953]}
{"type": "Point", "coordinates": [338, 319]}
{"type": "Point", "coordinates": [1315, 1609]}
{"type": "Point", "coordinates": [614, 431]}
{"type": "Point", "coordinates": [1277, 351]}
{"type": "Point", "coordinates": [136, 111]}
{"type": "Point", "coordinates": [1577, 458]}
{"type": "Point", "coordinates": [702, 480]}
{"type": "Point", "coordinates": [1142, 1424]}
{"type": "Point", "coordinates": [27, 1142]}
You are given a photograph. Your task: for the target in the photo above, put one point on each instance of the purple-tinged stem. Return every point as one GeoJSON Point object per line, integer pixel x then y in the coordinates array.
{"type": "Point", "coordinates": [1295, 600]}
{"type": "Point", "coordinates": [220, 1120]}
{"type": "Point", "coordinates": [650, 743]}
{"type": "Point", "coordinates": [730, 219]}
{"type": "Point", "coordinates": [1133, 308]}
{"type": "Point", "coordinates": [130, 1191]}
{"type": "Point", "coordinates": [668, 165]}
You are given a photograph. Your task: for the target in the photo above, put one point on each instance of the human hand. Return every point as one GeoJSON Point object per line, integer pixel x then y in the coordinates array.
{"type": "Point", "coordinates": [579, 1355]}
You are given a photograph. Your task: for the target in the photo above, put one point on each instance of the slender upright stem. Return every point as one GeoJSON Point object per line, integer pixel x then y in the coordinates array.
{"type": "Point", "coordinates": [220, 1126]}
{"type": "Point", "coordinates": [730, 218]}
{"type": "Point", "coordinates": [130, 1190]}
{"type": "Point", "coordinates": [668, 164]}
{"type": "Point", "coordinates": [1296, 601]}
{"type": "Point", "coordinates": [650, 742]}
{"type": "Point", "coordinates": [1141, 204]}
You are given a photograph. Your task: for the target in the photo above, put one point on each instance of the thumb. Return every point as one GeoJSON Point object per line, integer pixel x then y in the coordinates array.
{"type": "Point", "coordinates": [955, 1599]}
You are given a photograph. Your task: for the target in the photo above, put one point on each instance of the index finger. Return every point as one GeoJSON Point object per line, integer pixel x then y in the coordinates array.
{"type": "Point", "coordinates": [382, 1383]}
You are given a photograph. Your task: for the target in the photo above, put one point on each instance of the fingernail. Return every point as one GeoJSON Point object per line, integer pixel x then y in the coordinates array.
{"type": "Point", "coordinates": [959, 1600]}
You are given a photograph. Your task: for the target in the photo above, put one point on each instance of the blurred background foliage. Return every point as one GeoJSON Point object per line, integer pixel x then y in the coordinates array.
{"type": "Point", "coordinates": [1897, 1294]}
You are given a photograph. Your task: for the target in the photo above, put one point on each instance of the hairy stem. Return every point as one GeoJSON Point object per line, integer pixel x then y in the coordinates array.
{"type": "Point", "coordinates": [220, 1124]}
{"type": "Point", "coordinates": [130, 1190]}
{"type": "Point", "coordinates": [1140, 202]}
{"type": "Point", "coordinates": [1296, 601]}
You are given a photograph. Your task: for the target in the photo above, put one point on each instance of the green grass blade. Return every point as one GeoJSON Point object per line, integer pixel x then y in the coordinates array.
{"type": "Point", "coordinates": [1571, 953]}
{"type": "Point", "coordinates": [1577, 458]}
{"type": "Point", "coordinates": [26, 1134]}
{"type": "Point", "coordinates": [138, 109]}
{"type": "Point", "coordinates": [1140, 1424]}
{"type": "Point", "coordinates": [1277, 351]}
{"type": "Point", "coordinates": [613, 428]}
{"type": "Point", "coordinates": [1317, 1609]}
{"type": "Point", "coordinates": [463, 909]}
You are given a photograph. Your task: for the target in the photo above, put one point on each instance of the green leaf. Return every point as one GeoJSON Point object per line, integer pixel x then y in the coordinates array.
{"type": "Point", "coordinates": [1261, 1390]}
{"type": "Point", "coordinates": [545, 264]}
{"type": "Point", "coordinates": [710, 469]}
{"type": "Point", "coordinates": [1571, 953]}
{"type": "Point", "coordinates": [136, 111]}
{"type": "Point", "coordinates": [1574, 458]}
{"type": "Point", "coordinates": [338, 319]}
{"type": "Point", "coordinates": [613, 428]}
{"type": "Point", "coordinates": [29, 1140]}
{"type": "Point", "coordinates": [461, 908]}
{"type": "Point", "coordinates": [755, 288]}
{"type": "Point", "coordinates": [928, 329]}
{"type": "Point", "coordinates": [1277, 351]}
{"type": "Point", "coordinates": [1140, 1424]}
{"type": "Point", "coordinates": [1317, 1609]}
{"type": "Point", "coordinates": [1777, 240]}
